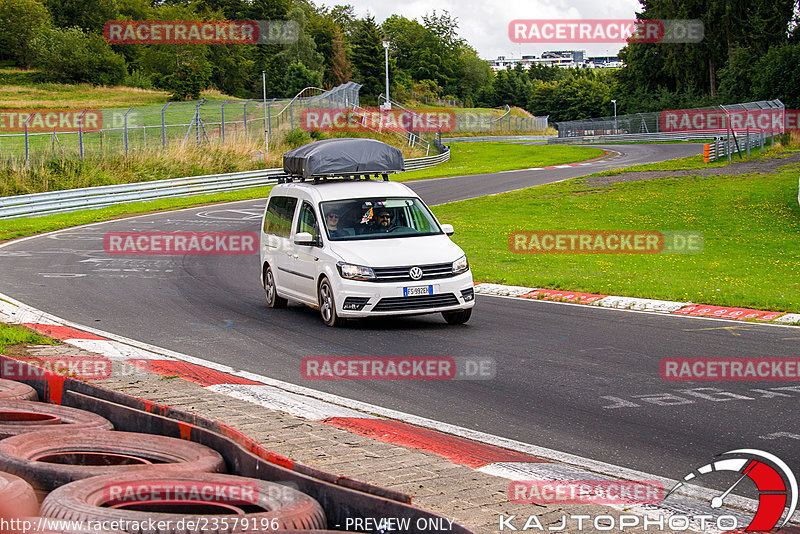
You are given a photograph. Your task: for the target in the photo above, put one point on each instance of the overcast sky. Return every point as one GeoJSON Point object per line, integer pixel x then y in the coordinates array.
{"type": "Point", "coordinates": [484, 23]}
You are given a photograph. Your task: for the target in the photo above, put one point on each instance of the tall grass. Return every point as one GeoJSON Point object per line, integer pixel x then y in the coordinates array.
{"type": "Point", "coordinates": [58, 172]}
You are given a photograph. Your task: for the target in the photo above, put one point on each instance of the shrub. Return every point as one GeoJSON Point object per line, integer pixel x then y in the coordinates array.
{"type": "Point", "coordinates": [68, 55]}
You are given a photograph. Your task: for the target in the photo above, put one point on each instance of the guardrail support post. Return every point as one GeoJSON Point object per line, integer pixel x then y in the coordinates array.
{"type": "Point", "coordinates": [164, 126]}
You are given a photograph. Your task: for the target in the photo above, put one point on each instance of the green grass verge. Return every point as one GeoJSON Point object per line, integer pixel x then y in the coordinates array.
{"type": "Point", "coordinates": [695, 162]}
{"type": "Point", "coordinates": [750, 224]}
{"type": "Point", "coordinates": [13, 335]}
{"type": "Point", "coordinates": [480, 158]}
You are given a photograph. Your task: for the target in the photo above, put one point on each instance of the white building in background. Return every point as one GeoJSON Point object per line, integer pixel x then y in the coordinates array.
{"type": "Point", "coordinates": [575, 59]}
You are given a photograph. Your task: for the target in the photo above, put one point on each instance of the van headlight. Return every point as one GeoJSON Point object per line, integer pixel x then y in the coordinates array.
{"type": "Point", "coordinates": [461, 264]}
{"type": "Point", "coordinates": [355, 272]}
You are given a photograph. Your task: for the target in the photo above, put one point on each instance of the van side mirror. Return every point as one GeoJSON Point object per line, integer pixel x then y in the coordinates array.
{"type": "Point", "coordinates": [304, 238]}
{"type": "Point", "coordinates": [448, 229]}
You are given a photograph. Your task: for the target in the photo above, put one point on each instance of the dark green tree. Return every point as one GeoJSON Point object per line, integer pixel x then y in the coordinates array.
{"type": "Point", "coordinates": [368, 60]}
{"type": "Point", "coordinates": [89, 15]}
{"type": "Point", "coordinates": [20, 21]}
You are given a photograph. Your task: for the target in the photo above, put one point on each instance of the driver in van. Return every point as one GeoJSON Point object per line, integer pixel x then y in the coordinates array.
{"type": "Point", "coordinates": [382, 222]}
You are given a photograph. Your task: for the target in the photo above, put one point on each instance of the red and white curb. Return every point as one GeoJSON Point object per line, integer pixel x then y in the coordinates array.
{"type": "Point", "coordinates": [489, 454]}
{"type": "Point", "coordinates": [686, 309]}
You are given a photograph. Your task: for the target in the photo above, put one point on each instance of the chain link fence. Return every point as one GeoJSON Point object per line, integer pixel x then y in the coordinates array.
{"type": "Point", "coordinates": [709, 120]}
{"type": "Point", "coordinates": [43, 134]}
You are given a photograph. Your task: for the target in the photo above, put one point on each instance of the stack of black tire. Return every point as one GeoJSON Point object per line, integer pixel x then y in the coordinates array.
{"type": "Point", "coordinates": [59, 462]}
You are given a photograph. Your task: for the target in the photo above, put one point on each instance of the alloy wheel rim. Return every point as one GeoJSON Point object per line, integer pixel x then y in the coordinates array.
{"type": "Point", "coordinates": [325, 297]}
{"type": "Point", "coordinates": [270, 286]}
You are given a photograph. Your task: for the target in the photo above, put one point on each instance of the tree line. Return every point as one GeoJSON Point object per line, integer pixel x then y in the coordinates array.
{"type": "Point", "coordinates": [751, 50]}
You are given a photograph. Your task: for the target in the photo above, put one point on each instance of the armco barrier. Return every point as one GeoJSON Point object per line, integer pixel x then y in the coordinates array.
{"type": "Point", "coordinates": [498, 138]}
{"type": "Point", "coordinates": [640, 137]}
{"type": "Point", "coordinates": [98, 197]}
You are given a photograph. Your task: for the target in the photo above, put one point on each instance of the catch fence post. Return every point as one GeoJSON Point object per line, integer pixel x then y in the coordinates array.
{"type": "Point", "coordinates": [222, 112]}
{"type": "Point", "coordinates": [126, 130]}
{"type": "Point", "coordinates": [164, 126]}
{"type": "Point", "coordinates": [80, 132]}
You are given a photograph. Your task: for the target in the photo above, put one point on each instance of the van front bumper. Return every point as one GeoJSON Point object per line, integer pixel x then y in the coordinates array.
{"type": "Point", "coordinates": [372, 299]}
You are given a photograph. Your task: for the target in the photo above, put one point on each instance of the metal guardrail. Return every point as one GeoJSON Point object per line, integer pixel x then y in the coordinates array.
{"type": "Point", "coordinates": [428, 161]}
{"type": "Point", "coordinates": [638, 137]}
{"type": "Point", "coordinates": [497, 138]}
{"type": "Point", "coordinates": [37, 204]}
{"type": "Point", "coordinates": [736, 144]}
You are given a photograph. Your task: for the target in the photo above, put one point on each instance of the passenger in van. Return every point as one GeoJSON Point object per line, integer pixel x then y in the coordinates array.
{"type": "Point", "coordinates": [332, 223]}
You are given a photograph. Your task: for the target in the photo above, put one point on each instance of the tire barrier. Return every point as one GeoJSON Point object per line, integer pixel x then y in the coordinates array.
{"type": "Point", "coordinates": [10, 390]}
{"type": "Point", "coordinates": [50, 458]}
{"type": "Point", "coordinates": [21, 417]}
{"type": "Point", "coordinates": [168, 499]}
{"type": "Point", "coordinates": [334, 498]}
{"type": "Point", "coordinates": [17, 497]}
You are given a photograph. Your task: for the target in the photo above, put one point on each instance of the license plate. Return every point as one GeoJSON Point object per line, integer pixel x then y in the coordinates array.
{"type": "Point", "coordinates": [420, 290]}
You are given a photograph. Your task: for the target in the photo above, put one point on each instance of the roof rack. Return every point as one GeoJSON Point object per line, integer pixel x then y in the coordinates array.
{"type": "Point", "coordinates": [326, 178]}
{"type": "Point", "coordinates": [346, 158]}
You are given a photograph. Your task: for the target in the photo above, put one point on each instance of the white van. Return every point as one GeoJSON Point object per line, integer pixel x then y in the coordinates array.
{"type": "Point", "coordinates": [361, 248]}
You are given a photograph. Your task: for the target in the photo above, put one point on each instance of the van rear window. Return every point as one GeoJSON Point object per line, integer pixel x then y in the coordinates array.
{"type": "Point", "coordinates": [278, 219]}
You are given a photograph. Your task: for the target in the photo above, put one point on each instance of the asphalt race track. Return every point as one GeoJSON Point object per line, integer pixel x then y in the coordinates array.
{"type": "Point", "coordinates": [576, 379]}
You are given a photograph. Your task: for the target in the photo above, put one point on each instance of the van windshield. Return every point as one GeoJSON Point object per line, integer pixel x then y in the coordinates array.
{"type": "Point", "coordinates": [377, 218]}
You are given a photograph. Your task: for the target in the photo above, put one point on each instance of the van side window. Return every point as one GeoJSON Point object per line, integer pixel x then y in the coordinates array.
{"type": "Point", "coordinates": [307, 222]}
{"type": "Point", "coordinates": [278, 220]}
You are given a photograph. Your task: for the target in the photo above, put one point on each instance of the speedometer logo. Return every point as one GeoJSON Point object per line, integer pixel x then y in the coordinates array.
{"type": "Point", "coordinates": [777, 485]}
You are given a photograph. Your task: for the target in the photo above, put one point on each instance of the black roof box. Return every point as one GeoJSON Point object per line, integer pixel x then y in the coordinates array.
{"type": "Point", "coordinates": [343, 157]}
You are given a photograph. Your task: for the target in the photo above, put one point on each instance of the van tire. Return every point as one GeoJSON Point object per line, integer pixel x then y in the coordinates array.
{"type": "Point", "coordinates": [327, 304]}
{"type": "Point", "coordinates": [271, 290]}
{"type": "Point", "coordinates": [457, 317]}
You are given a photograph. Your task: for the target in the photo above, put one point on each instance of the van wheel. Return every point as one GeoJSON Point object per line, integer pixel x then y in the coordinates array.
{"type": "Point", "coordinates": [327, 305]}
{"type": "Point", "coordinates": [270, 291]}
{"type": "Point", "coordinates": [457, 317]}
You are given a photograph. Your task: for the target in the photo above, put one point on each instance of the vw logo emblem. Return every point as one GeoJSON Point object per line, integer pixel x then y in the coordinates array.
{"type": "Point", "coordinates": [415, 273]}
